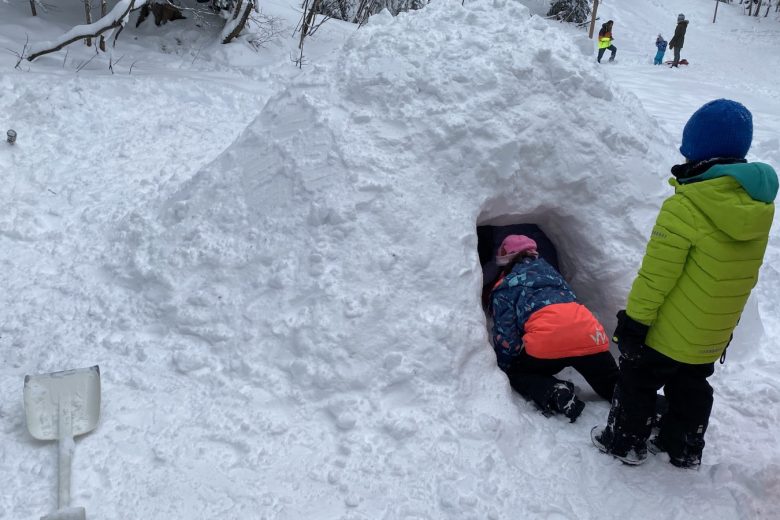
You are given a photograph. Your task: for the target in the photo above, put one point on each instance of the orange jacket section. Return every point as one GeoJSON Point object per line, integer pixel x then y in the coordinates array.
{"type": "Point", "coordinates": [564, 330]}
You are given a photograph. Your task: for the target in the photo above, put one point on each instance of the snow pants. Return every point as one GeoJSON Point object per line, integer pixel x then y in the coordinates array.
{"type": "Point", "coordinates": [604, 49]}
{"type": "Point", "coordinates": [659, 57]}
{"type": "Point", "coordinates": [676, 57]}
{"type": "Point", "coordinates": [533, 378]}
{"type": "Point", "coordinates": [688, 394]}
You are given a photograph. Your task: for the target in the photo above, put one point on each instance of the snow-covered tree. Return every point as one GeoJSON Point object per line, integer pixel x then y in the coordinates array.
{"type": "Point", "coordinates": [575, 11]}
{"type": "Point", "coordinates": [358, 11]}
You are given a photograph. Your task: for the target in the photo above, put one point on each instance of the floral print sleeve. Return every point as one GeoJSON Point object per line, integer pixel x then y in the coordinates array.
{"type": "Point", "coordinates": [531, 285]}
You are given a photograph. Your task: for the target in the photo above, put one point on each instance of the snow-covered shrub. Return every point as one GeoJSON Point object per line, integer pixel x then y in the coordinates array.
{"type": "Point", "coordinates": [358, 11]}
{"type": "Point", "coordinates": [575, 11]}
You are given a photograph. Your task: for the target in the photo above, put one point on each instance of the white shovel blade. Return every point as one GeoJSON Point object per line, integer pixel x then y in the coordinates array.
{"type": "Point", "coordinates": [68, 513]}
{"type": "Point", "coordinates": [77, 389]}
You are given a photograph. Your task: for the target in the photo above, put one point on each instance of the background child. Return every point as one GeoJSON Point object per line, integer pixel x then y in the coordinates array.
{"type": "Point", "coordinates": [539, 329]}
{"type": "Point", "coordinates": [605, 41]}
{"type": "Point", "coordinates": [660, 44]}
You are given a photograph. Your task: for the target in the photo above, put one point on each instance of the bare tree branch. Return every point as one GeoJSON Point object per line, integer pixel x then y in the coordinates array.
{"type": "Point", "coordinates": [20, 56]}
{"type": "Point", "coordinates": [84, 64]}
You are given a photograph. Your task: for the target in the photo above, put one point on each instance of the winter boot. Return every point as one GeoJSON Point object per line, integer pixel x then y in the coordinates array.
{"type": "Point", "coordinates": [563, 400]}
{"type": "Point", "coordinates": [656, 446]}
{"type": "Point", "coordinates": [631, 453]}
{"type": "Point", "coordinates": [689, 457]}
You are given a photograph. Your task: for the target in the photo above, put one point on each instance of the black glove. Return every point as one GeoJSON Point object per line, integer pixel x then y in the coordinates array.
{"type": "Point", "coordinates": [629, 335]}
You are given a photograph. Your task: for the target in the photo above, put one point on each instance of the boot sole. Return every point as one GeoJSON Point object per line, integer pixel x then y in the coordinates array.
{"type": "Point", "coordinates": [603, 449]}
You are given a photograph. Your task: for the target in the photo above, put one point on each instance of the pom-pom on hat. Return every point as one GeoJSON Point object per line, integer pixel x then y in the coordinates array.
{"type": "Point", "coordinates": [514, 245]}
{"type": "Point", "coordinates": [720, 128]}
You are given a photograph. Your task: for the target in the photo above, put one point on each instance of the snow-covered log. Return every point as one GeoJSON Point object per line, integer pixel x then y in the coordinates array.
{"type": "Point", "coordinates": [236, 22]}
{"type": "Point", "coordinates": [116, 18]}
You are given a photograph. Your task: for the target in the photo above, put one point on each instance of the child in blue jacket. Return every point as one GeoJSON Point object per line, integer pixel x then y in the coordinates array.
{"type": "Point", "coordinates": [660, 43]}
{"type": "Point", "coordinates": [540, 328]}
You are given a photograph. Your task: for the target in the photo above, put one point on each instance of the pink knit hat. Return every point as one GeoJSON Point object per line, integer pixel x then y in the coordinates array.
{"type": "Point", "coordinates": [514, 245]}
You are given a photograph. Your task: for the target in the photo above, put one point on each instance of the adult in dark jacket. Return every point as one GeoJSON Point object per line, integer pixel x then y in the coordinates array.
{"type": "Point", "coordinates": [539, 328]}
{"type": "Point", "coordinates": [676, 44]}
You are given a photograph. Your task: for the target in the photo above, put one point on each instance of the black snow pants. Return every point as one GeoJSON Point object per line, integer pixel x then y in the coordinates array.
{"type": "Point", "coordinates": [533, 377]}
{"type": "Point", "coordinates": [611, 48]}
{"type": "Point", "coordinates": [676, 57]}
{"type": "Point", "coordinates": [687, 392]}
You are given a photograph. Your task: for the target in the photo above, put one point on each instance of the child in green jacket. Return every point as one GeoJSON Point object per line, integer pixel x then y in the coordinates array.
{"type": "Point", "coordinates": [701, 263]}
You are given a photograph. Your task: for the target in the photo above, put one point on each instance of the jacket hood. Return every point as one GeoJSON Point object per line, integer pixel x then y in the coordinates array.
{"type": "Point", "coordinates": [737, 198]}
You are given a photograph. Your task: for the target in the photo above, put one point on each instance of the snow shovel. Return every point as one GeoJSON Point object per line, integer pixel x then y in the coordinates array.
{"type": "Point", "coordinates": [63, 405]}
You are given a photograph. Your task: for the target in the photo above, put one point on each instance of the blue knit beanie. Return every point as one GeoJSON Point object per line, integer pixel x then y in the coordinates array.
{"type": "Point", "coordinates": [720, 128]}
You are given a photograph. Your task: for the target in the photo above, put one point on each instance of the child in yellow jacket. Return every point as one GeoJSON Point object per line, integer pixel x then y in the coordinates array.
{"type": "Point", "coordinates": [701, 263]}
{"type": "Point", "coordinates": [605, 41]}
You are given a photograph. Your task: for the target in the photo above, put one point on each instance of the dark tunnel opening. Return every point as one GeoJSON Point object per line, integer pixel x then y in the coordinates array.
{"type": "Point", "coordinates": [489, 239]}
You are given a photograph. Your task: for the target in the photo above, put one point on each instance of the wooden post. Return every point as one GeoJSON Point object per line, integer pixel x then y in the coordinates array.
{"type": "Point", "coordinates": [32, 6]}
{"type": "Point", "coordinates": [716, 11]}
{"type": "Point", "coordinates": [593, 18]}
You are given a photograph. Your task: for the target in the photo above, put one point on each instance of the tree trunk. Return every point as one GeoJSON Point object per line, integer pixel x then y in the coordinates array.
{"type": "Point", "coordinates": [758, 8]}
{"type": "Point", "coordinates": [32, 6]}
{"type": "Point", "coordinates": [103, 11]}
{"type": "Point", "coordinates": [343, 9]}
{"type": "Point", "coordinates": [88, 9]}
{"type": "Point", "coordinates": [308, 21]}
{"type": "Point", "coordinates": [235, 25]}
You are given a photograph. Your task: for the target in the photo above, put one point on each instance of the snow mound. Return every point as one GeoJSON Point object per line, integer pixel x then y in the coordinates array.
{"type": "Point", "coordinates": [320, 279]}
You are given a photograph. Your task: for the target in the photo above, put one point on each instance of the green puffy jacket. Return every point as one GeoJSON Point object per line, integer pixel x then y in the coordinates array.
{"type": "Point", "coordinates": [702, 260]}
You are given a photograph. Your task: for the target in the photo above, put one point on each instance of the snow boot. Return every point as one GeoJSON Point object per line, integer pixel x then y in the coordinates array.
{"type": "Point", "coordinates": [563, 400]}
{"type": "Point", "coordinates": [655, 446]}
{"type": "Point", "coordinates": [574, 409]}
{"type": "Point", "coordinates": [604, 440]}
{"type": "Point", "coordinates": [690, 455]}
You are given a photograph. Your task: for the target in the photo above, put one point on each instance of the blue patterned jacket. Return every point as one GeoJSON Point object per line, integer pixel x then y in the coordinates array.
{"type": "Point", "coordinates": [531, 285]}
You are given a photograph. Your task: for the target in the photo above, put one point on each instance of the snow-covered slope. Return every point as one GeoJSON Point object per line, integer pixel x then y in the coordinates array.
{"type": "Point", "coordinates": [277, 272]}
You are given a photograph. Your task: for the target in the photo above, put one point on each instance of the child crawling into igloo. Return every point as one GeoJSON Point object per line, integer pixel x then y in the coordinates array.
{"type": "Point", "coordinates": [539, 329]}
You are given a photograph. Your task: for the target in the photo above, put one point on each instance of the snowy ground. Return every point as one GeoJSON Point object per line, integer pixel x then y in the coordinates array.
{"type": "Point", "coordinates": [276, 269]}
